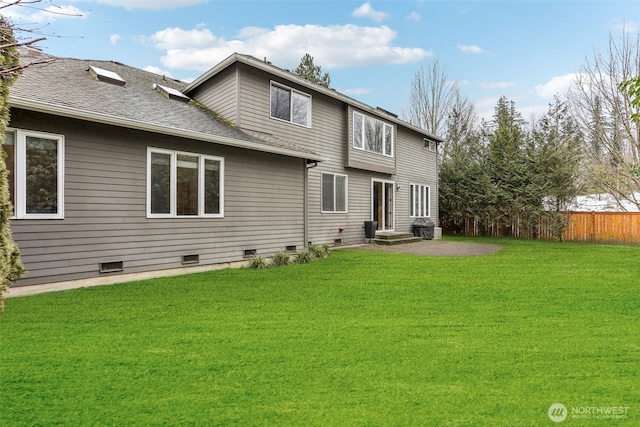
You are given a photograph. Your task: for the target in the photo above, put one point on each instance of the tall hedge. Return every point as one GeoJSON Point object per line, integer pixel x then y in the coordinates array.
{"type": "Point", "coordinates": [11, 269]}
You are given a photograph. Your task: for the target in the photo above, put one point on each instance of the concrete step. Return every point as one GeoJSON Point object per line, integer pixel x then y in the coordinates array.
{"type": "Point", "coordinates": [409, 238]}
{"type": "Point", "coordinates": [392, 235]}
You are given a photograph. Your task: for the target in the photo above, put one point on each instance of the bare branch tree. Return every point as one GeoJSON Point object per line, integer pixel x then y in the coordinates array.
{"type": "Point", "coordinates": [24, 37]}
{"type": "Point", "coordinates": [606, 113]}
{"type": "Point", "coordinates": [431, 98]}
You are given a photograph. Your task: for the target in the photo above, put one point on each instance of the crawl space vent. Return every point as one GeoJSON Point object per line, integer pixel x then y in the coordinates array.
{"type": "Point", "coordinates": [190, 259]}
{"type": "Point", "coordinates": [111, 267]}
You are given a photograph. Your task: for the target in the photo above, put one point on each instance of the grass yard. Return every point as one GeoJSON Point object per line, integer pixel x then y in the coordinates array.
{"type": "Point", "coordinates": [360, 338]}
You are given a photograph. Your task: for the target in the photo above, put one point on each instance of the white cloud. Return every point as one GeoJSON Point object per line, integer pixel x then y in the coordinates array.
{"type": "Point", "coordinates": [498, 85]}
{"type": "Point", "coordinates": [366, 11]}
{"type": "Point", "coordinates": [557, 85]}
{"type": "Point", "coordinates": [485, 107]}
{"type": "Point", "coordinates": [199, 49]}
{"type": "Point", "coordinates": [458, 83]}
{"type": "Point", "coordinates": [114, 38]}
{"type": "Point", "coordinates": [151, 4]}
{"type": "Point", "coordinates": [158, 71]}
{"type": "Point", "coordinates": [532, 113]}
{"type": "Point", "coordinates": [471, 48]}
{"type": "Point", "coordinates": [177, 38]}
{"type": "Point", "coordinates": [22, 16]}
{"type": "Point", "coordinates": [414, 16]}
{"type": "Point", "coordinates": [624, 26]}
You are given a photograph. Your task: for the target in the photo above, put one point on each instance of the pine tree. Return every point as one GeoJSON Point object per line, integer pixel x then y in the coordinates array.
{"type": "Point", "coordinates": [507, 164]}
{"type": "Point", "coordinates": [460, 168]}
{"type": "Point", "coordinates": [11, 268]}
{"type": "Point", "coordinates": [557, 140]}
{"type": "Point", "coordinates": [312, 72]}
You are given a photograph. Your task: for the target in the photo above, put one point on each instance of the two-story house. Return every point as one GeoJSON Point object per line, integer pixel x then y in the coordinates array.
{"type": "Point", "coordinates": [118, 173]}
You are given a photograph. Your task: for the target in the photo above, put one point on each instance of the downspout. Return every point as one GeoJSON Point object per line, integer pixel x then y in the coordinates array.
{"type": "Point", "coordinates": [308, 165]}
{"type": "Point", "coordinates": [437, 186]}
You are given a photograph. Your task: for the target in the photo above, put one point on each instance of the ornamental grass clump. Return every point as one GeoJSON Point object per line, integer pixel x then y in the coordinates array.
{"type": "Point", "coordinates": [320, 251]}
{"type": "Point", "coordinates": [303, 256]}
{"type": "Point", "coordinates": [258, 261]}
{"type": "Point", "coordinates": [281, 258]}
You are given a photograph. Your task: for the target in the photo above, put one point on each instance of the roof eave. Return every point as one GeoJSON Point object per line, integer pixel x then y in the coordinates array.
{"type": "Point", "coordinates": [272, 69]}
{"type": "Point", "coordinates": [75, 113]}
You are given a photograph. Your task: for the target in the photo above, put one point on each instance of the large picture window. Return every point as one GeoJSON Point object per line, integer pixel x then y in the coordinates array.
{"type": "Point", "coordinates": [334, 193]}
{"type": "Point", "coordinates": [372, 135]}
{"type": "Point", "coordinates": [35, 165]}
{"type": "Point", "coordinates": [419, 200]}
{"type": "Point", "coordinates": [290, 105]}
{"type": "Point", "coordinates": [184, 184]}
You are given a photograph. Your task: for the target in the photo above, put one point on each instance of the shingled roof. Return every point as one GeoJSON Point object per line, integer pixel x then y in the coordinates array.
{"type": "Point", "coordinates": [69, 87]}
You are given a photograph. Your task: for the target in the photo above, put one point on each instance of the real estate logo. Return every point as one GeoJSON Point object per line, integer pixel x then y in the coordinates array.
{"type": "Point", "coordinates": [557, 412]}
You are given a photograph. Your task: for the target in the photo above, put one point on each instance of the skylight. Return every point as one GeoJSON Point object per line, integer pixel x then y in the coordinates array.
{"type": "Point", "coordinates": [107, 76]}
{"type": "Point", "coordinates": [171, 93]}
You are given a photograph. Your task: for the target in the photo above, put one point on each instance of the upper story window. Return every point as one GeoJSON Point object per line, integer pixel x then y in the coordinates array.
{"type": "Point", "coordinates": [35, 166]}
{"type": "Point", "coordinates": [372, 135]}
{"type": "Point", "coordinates": [431, 145]}
{"type": "Point", "coordinates": [184, 184]}
{"type": "Point", "coordinates": [290, 105]}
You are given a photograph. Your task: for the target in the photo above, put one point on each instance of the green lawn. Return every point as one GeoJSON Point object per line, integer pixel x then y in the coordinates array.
{"type": "Point", "coordinates": [360, 338]}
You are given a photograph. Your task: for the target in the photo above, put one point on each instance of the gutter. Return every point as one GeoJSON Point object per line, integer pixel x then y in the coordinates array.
{"type": "Point", "coordinates": [76, 113]}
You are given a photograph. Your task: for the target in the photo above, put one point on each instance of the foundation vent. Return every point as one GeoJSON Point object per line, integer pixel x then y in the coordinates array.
{"type": "Point", "coordinates": [190, 259]}
{"type": "Point", "coordinates": [111, 267]}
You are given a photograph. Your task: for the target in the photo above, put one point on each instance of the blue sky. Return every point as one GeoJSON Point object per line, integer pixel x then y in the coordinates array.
{"type": "Point", "coordinates": [524, 50]}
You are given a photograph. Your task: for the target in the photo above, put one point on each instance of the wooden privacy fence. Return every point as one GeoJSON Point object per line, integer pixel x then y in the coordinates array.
{"type": "Point", "coordinates": [592, 227]}
{"type": "Point", "coordinates": [604, 227]}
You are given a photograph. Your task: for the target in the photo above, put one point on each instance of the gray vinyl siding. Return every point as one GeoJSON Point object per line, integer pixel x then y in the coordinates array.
{"type": "Point", "coordinates": [221, 95]}
{"type": "Point", "coordinates": [418, 167]}
{"type": "Point", "coordinates": [330, 134]}
{"type": "Point", "coordinates": [327, 135]}
{"type": "Point", "coordinates": [105, 206]}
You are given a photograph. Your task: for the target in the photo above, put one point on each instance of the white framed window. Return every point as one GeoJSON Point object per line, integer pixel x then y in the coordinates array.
{"type": "Point", "coordinates": [334, 193]}
{"type": "Point", "coordinates": [181, 184]}
{"type": "Point", "coordinates": [430, 145]}
{"type": "Point", "coordinates": [419, 200]}
{"type": "Point", "coordinates": [35, 166]}
{"type": "Point", "coordinates": [290, 105]}
{"type": "Point", "coordinates": [372, 135]}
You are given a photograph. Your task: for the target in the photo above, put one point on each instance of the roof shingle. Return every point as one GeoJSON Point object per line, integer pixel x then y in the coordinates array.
{"type": "Point", "coordinates": [66, 84]}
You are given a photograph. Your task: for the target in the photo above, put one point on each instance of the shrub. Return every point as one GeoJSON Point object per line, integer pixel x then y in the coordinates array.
{"type": "Point", "coordinates": [304, 256]}
{"type": "Point", "coordinates": [281, 258]}
{"type": "Point", "coordinates": [258, 261]}
{"type": "Point", "coordinates": [319, 251]}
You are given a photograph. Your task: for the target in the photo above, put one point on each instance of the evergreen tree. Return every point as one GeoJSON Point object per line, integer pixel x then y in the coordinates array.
{"type": "Point", "coordinates": [507, 165]}
{"type": "Point", "coordinates": [312, 72]}
{"type": "Point", "coordinates": [460, 167]}
{"type": "Point", "coordinates": [11, 268]}
{"type": "Point", "coordinates": [557, 140]}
